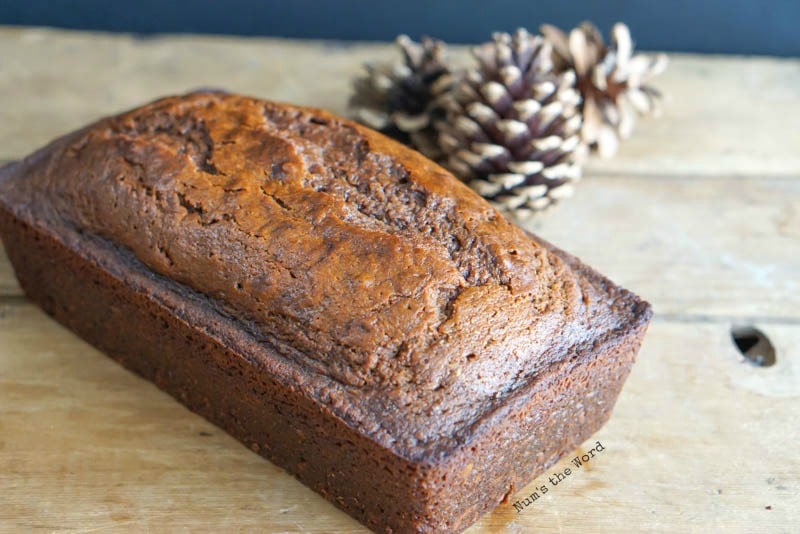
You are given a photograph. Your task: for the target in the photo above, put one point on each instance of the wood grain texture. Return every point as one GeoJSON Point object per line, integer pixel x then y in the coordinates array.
{"type": "Point", "coordinates": [693, 246]}
{"type": "Point", "coordinates": [699, 213]}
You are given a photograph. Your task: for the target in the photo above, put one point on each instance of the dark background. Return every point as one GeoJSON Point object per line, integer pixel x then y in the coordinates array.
{"type": "Point", "coordinates": [717, 26]}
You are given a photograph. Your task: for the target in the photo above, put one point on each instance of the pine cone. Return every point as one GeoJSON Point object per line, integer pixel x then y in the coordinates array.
{"type": "Point", "coordinates": [402, 99]}
{"type": "Point", "coordinates": [512, 127]}
{"type": "Point", "coordinates": [611, 80]}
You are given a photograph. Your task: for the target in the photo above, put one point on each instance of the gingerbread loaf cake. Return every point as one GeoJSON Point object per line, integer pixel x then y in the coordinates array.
{"type": "Point", "coordinates": [340, 304]}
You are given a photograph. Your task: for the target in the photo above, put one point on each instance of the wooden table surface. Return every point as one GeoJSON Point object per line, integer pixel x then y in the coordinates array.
{"type": "Point", "coordinates": [699, 213]}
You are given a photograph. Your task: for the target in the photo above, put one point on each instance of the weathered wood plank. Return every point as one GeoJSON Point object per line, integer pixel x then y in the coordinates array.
{"type": "Point", "coordinates": [43, 99]}
{"type": "Point", "coordinates": [725, 115]}
{"type": "Point", "coordinates": [708, 246]}
{"type": "Point", "coordinates": [698, 440]}
{"type": "Point", "coordinates": [692, 246]}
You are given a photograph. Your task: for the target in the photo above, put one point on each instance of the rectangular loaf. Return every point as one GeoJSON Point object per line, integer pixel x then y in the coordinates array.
{"type": "Point", "coordinates": [337, 302]}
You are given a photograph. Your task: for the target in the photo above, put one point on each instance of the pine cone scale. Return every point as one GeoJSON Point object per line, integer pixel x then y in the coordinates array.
{"type": "Point", "coordinates": [404, 100]}
{"type": "Point", "coordinates": [528, 119]}
{"type": "Point", "coordinates": [611, 80]}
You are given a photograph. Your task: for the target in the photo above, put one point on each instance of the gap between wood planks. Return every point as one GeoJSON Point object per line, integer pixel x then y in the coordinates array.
{"type": "Point", "coordinates": [699, 318]}
{"type": "Point", "coordinates": [589, 174]}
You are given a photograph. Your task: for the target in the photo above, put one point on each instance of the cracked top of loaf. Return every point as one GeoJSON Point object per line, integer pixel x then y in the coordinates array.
{"type": "Point", "coordinates": [412, 307]}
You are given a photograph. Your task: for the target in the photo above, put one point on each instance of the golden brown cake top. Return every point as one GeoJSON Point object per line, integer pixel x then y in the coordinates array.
{"type": "Point", "coordinates": [378, 268]}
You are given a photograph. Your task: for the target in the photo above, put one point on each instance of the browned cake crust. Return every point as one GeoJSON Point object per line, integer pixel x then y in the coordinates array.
{"type": "Point", "coordinates": [334, 300]}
